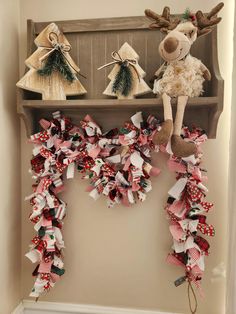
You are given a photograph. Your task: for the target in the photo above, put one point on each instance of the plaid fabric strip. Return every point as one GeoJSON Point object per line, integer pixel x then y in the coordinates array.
{"type": "Point", "coordinates": [172, 259]}
{"type": "Point", "coordinates": [194, 254]}
{"type": "Point", "coordinates": [202, 243]}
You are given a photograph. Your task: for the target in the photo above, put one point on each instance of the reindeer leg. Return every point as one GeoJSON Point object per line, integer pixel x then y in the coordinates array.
{"type": "Point", "coordinates": [162, 137]}
{"type": "Point", "coordinates": [179, 147]}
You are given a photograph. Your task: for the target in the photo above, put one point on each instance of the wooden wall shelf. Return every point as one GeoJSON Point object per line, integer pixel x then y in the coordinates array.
{"type": "Point", "coordinates": [92, 42]}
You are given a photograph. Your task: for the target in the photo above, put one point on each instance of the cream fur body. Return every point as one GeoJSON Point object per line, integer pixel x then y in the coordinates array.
{"type": "Point", "coordinates": [181, 78]}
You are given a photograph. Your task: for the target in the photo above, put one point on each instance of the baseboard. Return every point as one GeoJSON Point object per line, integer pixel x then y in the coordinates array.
{"type": "Point", "coordinates": [31, 307]}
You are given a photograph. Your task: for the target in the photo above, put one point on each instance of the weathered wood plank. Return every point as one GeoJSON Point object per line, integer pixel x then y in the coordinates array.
{"type": "Point", "coordinates": [112, 116]}
{"type": "Point", "coordinates": [98, 25]}
{"type": "Point", "coordinates": [116, 103]}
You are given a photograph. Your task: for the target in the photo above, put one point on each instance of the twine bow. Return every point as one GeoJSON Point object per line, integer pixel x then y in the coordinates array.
{"type": "Point", "coordinates": [60, 46]}
{"type": "Point", "coordinates": [55, 45]}
{"type": "Point", "coordinates": [119, 60]}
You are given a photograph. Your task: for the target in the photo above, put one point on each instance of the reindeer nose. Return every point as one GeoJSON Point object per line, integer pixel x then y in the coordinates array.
{"type": "Point", "coordinates": [171, 44]}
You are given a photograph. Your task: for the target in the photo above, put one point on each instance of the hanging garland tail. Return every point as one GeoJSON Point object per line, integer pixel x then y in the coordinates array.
{"type": "Point", "coordinates": [186, 210]}
{"type": "Point", "coordinates": [117, 165]}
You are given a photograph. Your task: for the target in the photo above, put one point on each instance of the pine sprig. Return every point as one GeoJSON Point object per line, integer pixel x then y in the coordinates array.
{"type": "Point", "coordinates": [123, 80]}
{"type": "Point", "coordinates": [56, 62]}
{"type": "Point", "coordinates": [186, 14]}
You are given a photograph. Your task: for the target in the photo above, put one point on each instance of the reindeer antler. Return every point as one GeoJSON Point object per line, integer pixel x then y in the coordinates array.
{"type": "Point", "coordinates": [164, 22]}
{"type": "Point", "coordinates": [205, 22]}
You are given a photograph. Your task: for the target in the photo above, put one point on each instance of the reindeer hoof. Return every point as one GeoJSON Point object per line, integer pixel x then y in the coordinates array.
{"type": "Point", "coordinates": [162, 137]}
{"type": "Point", "coordinates": [181, 148]}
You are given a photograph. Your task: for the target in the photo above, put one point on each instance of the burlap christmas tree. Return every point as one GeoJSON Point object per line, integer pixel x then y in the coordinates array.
{"type": "Point", "coordinates": [52, 72]}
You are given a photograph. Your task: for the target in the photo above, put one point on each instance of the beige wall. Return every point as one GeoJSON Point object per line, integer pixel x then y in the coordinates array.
{"type": "Point", "coordinates": [231, 273]}
{"type": "Point", "coordinates": [116, 257]}
{"type": "Point", "coordinates": [10, 213]}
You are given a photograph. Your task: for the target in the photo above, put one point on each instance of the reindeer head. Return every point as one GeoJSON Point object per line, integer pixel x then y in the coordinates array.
{"type": "Point", "coordinates": [182, 33]}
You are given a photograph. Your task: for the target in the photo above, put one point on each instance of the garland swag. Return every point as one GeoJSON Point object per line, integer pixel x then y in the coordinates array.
{"type": "Point", "coordinates": [118, 165]}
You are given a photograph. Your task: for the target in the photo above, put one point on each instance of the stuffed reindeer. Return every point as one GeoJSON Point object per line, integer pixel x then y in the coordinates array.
{"type": "Point", "coordinates": [181, 76]}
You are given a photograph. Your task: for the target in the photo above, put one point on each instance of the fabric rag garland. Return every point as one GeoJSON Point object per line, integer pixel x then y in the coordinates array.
{"type": "Point", "coordinates": [118, 165]}
{"type": "Point", "coordinates": [186, 210]}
